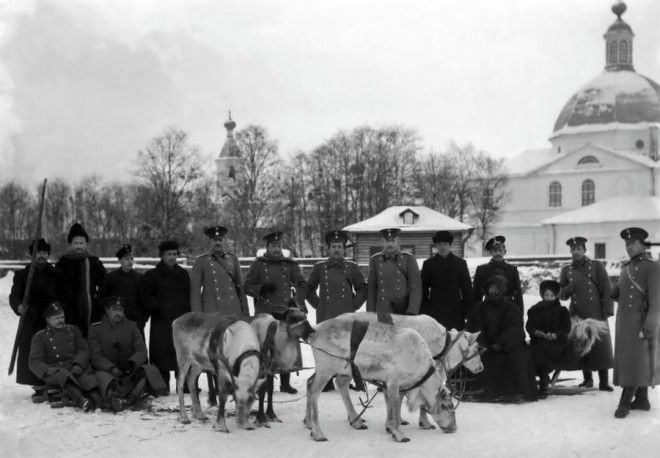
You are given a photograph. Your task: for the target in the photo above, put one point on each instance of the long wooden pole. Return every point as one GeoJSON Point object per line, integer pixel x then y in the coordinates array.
{"type": "Point", "coordinates": [28, 283]}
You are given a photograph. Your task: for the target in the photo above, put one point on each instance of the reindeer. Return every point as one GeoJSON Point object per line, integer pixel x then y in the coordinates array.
{"type": "Point", "coordinates": [396, 357]}
{"type": "Point", "coordinates": [450, 349]}
{"type": "Point", "coordinates": [225, 346]}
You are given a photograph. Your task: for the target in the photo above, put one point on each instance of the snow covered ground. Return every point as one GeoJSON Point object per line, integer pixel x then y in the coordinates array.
{"type": "Point", "coordinates": [580, 426]}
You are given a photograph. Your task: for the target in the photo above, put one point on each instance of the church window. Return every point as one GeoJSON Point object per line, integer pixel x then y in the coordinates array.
{"type": "Point", "coordinates": [588, 192]}
{"type": "Point", "coordinates": [588, 160]}
{"type": "Point", "coordinates": [623, 51]}
{"type": "Point", "coordinates": [232, 172]}
{"type": "Point", "coordinates": [613, 50]}
{"type": "Point", "coordinates": [555, 194]}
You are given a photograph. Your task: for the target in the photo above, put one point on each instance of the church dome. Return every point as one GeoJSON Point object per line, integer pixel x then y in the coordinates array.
{"type": "Point", "coordinates": [621, 96]}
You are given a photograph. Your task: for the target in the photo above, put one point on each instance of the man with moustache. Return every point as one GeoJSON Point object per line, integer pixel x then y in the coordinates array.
{"type": "Point", "coordinates": [498, 266]}
{"type": "Point", "coordinates": [166, 296]}
{"type": "Point", "coordinates": [275, 280]}
{"type": "Point", "coordinates": [83, 276]}
{"type": "Point", "coordinates": [446, 286]}
{"type": "Point", "coordinates": [46, 288]}
{"type": "Point", "coordinates": [394, 284]}
{"type": "Point", "coordinates": [125, 282]}
{"type": "Point", "coordinates": [586, 283]}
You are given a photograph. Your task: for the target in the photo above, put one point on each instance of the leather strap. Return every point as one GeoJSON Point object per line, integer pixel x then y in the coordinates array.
{"type": "Point", "coordinates": [426, 376]}
{"type": "Point", "coordinates": [385, 317]}
{"type": "Point", "coordinates": [445, 349]}
{"type": "Point", "coordinates": [246, 354]}
{"type": "Point", "coordinates": [358, 330]}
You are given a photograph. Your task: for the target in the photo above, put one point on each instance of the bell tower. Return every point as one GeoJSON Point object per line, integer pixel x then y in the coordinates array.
{"type": "Point", "coordinates": [618, 42]}
{"type": "Point", "coordinates": [228, 162]}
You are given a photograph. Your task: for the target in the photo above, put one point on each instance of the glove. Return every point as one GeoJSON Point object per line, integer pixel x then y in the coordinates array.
{"type": "Point", "coordinates": [267, 289]}
{"type": "Point", "coordinates": [52, 370]}
{"type": "Point", "coordinates": [648, 333]}
{"type": "Point", "coordinates": [76, 370]}
{"type": "Point", "coordinates": [126, 367]}
{"type": "Point", "coordinates": [115, 371]}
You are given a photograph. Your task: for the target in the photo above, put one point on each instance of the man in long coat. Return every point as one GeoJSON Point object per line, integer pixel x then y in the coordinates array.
{"type": "Point", "coordinates": [498, 266]}
{"type": "Point", "coordinates": [166, 296]}
{"type": "Point", "coordinates": [342, 285]}
{"type": "Point", "coordinates": [275, 280]}
{"type": "Point", "coordinates": [46, 288]}
{"type": "Point", "coordinates": [118, 355]}
{"type": "Point", "coordinates": [60, 357]}
{"type": "Point", "coordinates": [125, 282]}
{"type": "Point", "coordinates": [83, 277]}
{"type": "Point", "coordinates": [446, 285]}
{"type": "Point", "coordinates": [586, 283]}
{"type": "Point", "coordinates": [216, 285]}
{"type": "Point", "coordinates": [394, 284]}
{"type": "Point", "coordinates": [636, 358]}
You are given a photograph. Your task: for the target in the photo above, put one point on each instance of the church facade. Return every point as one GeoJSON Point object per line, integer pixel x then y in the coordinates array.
{"type": "Point", "coordinates": [603, 161]}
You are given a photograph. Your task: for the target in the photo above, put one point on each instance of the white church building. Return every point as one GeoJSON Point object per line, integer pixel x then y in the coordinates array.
{"type": "Point", "coordinates": [601, 173]}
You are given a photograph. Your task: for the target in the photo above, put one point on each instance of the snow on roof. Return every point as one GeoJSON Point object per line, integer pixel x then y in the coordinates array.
{"type": "Point", "coordinates": [606, 127]}
{"type": "Point", "coordinates": [529, 160]}
{"type": "Point", "coordinates": [428, 221]}
{"type": "Point", "coordinates": [616, 209]}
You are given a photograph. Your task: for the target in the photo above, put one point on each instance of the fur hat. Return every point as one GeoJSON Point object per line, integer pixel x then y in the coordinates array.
{"type": "Point", "coordinates": [42, 245]}
{"type": "Point", "coordinates": [551, 285]}
{"type": "Point", "coordinates": [168, 245]}
{"type": "Point", "coordinates": [500, 281]}
{"type": "Point", "coordinates": [443, 237]}
{"type": "Point", "coordinates": [77, 231]}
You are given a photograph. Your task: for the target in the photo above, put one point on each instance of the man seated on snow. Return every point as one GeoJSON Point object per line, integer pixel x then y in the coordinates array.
{"type": "Point", "coordinates": [508, 374]}
{"type": "Point", "coordinates": [119, 356]}
{"type": "Point", "coordinates": [60, 357]}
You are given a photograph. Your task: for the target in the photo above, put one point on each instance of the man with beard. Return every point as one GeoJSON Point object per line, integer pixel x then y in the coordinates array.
{"type": "Point", "coordinates": [83, 276]}
{"type": "Point", "coordinates": [446, 286]}
{"type": "Point", "coordinates": [498, 266]}
{"type": "Point", "coordinates": [46, 288]}
{"type": "Point", "coordinates": [394, 284]}
{"type": "Point", "coordinates": [586, 283]}
{"type": "Point", "coordinates": [636, 357]}
{"type": "Point", "coordinates": [508, 374]}
{"type": "Point", "coordinates": [119, 356]}
{"type": "Point", "coordinates": [60, 357]}
{"type": "Point", "coordinates": [166, 296]}
{"type": "Point", "coordinates": [125, 282]}
{"type": "Point", "coordinates": [276, 280]}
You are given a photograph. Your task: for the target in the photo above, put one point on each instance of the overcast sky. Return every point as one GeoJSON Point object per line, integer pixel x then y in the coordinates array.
{"type": "Point", "coordinates": [84, 84]}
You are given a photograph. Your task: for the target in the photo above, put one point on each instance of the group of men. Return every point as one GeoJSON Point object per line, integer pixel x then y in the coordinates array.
{"type": "Point", "coordinates": [336, 285]}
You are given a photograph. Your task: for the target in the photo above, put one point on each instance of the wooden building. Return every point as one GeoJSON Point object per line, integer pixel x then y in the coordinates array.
{"type": "Point", "coordinates": [417, 224]}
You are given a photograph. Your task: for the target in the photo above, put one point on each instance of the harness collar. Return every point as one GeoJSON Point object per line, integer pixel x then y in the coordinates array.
{"type": "Point", "coordinates": [246, 354]}
{"type": "Point", "coordinates": [445, 349]}
{"type": "Point", "coordinates": [426, 376]}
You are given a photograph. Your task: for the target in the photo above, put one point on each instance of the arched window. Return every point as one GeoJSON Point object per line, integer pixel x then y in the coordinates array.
{"type": "Point", "coordinates": [232, 172]}
{"type": "Point", "coordinates": [588, 160]}
{"type": "Point", "coordinates": [613, 50]}
{"type": "Point", "coordinates": [588, 192]}
{"type": "Point", "coordinates": [555, 194]}
{"type": "Point", "coordinates": [623, 52]}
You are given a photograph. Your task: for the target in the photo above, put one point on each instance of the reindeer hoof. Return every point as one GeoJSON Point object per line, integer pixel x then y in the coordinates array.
{"type": "Point", "coordinates": [404, 423]}
{"type": "Point", "coordinates": [201, 417]}
{"type": "Point", "coordinates": [220, 428]}
{"type": "Point", "coordinates": [306, 424]}
{"type": "Point", "coordinates": [272, 417]}
{"type": "Point", "coordinates": [319, 438]}
{"type": "Point", "coordinates": [426, 425]}
{"type": "Point", "coordinates": [358, 424]}
{"type": "Point", "coordinates": [399, 437]}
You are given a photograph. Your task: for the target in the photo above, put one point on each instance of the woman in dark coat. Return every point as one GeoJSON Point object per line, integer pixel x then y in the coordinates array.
{"type": "Point", "coordinates": [548, 325]}
{"type": "Point", "coordinates": [166, 296]}
{"type": "Point", "coordinates": [508, 374]}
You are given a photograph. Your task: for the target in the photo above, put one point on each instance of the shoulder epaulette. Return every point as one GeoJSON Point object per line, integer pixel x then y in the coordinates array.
{"type": "Point", "coordinates": [201, 256]}
{"type": "Point", "coordinates": [39, 332]}
{"type": "Point", "coordinates": [96, 323]}
{"type": "Point", "coordinates": [320, 263]}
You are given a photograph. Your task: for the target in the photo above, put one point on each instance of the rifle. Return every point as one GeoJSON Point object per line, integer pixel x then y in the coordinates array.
{"type": "Point", "coordinates": [28, 282]}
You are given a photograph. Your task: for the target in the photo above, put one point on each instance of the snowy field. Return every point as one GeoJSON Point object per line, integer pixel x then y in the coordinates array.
{"type": "Point", "coordinates": [561, 426]}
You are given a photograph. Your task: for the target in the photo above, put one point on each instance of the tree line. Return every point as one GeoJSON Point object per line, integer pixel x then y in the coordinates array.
{"type": "Point", "coordinates": [174, 192]}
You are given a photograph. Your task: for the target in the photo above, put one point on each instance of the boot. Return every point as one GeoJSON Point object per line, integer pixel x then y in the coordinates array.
{"type": "Point", "coordinates": [40, 395]}
{"type": "Point", "coordinates": [588, 381]}
{"type": "Point", "coordinates": [641, 401]}
{"type": "Point", "coordinates": [285, 384]}
{"type": "Point", "coordinates": [625, 402]}
{"type": "Point", "coordinates": [544, 381]}
{"type": "Point", "coordinates": [603, 385]}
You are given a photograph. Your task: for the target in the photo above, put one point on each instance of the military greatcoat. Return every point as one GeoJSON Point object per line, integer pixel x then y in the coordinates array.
{"type": "Point", "coordinates": [588, 287]}
{"type": "Point", "coordinates": [394, 284]}
{"type": "Point", "coordinates": [282, 273]}
{"type": "Point", "coordinates": [216, 285]}
{"type": "Point", "coordinates": [638, 294]}
{"type": "Point", "coordinates": [342, 288]}
{"type": "Point", "coordinates": [61, 348]}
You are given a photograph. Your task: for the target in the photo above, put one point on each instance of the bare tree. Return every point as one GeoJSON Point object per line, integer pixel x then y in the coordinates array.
{"type": "Point", "coordinates": [488, 194]}
{"type": "Point", "coordinates": [15, 210]}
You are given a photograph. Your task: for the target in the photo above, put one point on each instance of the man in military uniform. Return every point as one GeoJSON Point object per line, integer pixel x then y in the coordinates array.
{"type": "Point", "coordinates": [498, 266]}
{"type": "Point", "coordinates": [446, 286]}
{"type": "Point", "coordinates": [60, 357]}
{"type": "Point", "coordinates": [119, 355]}
{"type": "Point", "coordinates": [125, 282]}
{"type": "Point", "coordinates": [83, 276]}
{"type": "Point", "coordinates": [586, 283]}
{"type": "Point", "coordinates": [166, 296]}
{"type": "Point", "coordinates": [394, 284]}
{"type": "Point", "coordinates": [275, 280]}
{"type": "Point", "coordinates": [636, 357]}
{"type": "Point", "coordinates": [46, 288]}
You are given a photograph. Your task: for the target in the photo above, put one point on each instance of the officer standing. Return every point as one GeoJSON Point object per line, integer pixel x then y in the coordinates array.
{"type": "Point", "coordinates": [636, 357]}
{"type": "Point", "coordinates": [498, 266]}
{"type": "Point", "coordinates": [394, 284]}
{"type": "Point", "coordinates": [125, 282]}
